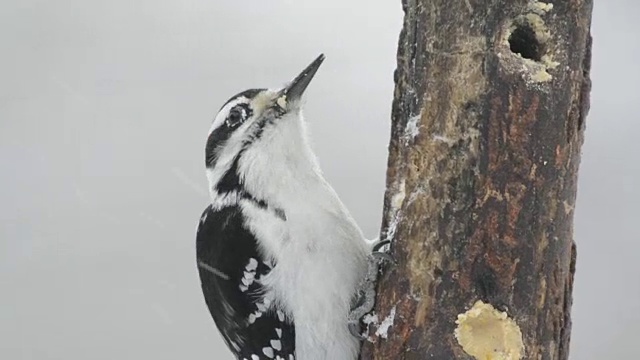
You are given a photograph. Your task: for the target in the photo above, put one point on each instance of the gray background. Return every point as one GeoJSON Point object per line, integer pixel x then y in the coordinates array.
{"type": "Point", "coordinates": [104, 109]}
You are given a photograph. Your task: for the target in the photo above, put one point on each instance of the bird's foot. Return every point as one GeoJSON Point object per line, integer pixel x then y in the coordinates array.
{"type": "Point", "coordinates": [365, 302]}
{"type": "Point", "coordinates": [380, 252]}
{"type": "Point", "coordinates": [367, 291]}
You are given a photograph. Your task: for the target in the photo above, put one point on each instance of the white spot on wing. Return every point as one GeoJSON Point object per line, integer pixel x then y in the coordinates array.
{"type": "Point", "coordinates": [252, 265]}
{"type": "Point", "coordinates": [268, 352]}
{"type": "Point", "coordinates": [276, 344]}
{"type": "Point", "coordinates": [279, 332]}
{"type": "Point", "coordinates": [280, 316]}
{"type": "Point", "coordinates": [252, 317]}
{"type": "Point", "coordinates": [249, 275]}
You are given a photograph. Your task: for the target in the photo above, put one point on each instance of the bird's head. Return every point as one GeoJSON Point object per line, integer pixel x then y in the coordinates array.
{"type": "Point", "coordinates": [258, 135]}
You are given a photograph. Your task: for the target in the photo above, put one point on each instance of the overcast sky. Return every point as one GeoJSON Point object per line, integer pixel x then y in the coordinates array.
{"type": "Point", "coordinates": [104, 110]}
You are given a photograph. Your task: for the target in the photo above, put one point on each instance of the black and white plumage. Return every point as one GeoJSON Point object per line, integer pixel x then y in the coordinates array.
{"type": "Point", "coordinates": [280, 258]}
{"type": "Point", "coordinates": [232, 288]}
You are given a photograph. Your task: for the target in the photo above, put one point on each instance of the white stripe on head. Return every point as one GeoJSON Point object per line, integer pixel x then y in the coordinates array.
{"type": "Point", "coordinates": [224, 112]}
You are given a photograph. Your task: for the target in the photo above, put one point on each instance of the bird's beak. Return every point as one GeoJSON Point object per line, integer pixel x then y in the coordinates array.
{"type": "Point", "coordinates": [293, 92]}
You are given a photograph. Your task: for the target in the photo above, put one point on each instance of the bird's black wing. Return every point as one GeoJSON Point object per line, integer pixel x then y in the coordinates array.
{"type": "Point", "coordinates": [230, 268]}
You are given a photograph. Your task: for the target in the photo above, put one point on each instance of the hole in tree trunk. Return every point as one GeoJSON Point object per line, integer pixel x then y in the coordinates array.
{"type": "Point", "coordinates": [523, 41]}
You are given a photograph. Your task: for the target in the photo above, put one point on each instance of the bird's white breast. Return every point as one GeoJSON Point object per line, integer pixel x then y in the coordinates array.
{"type": "Point", "coordinates": [319, 251]}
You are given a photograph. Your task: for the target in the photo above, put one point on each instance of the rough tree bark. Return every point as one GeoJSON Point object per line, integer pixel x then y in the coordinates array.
{"type": "Point", "coordinates": [487, 124]}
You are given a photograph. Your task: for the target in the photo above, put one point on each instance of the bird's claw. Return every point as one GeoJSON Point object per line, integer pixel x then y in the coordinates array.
{"type": "Point", "coordinates": [354, 329]}
{"type": "Point", "coordinates": [367, 294]}
{"type": "Point", "coordinates": [380, 244]}
{"type": "Point", "coordinates": [382, 256]}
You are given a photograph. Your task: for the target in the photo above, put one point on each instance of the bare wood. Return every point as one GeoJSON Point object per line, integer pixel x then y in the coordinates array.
{"type": "Point", "coordinates": [487, 125]}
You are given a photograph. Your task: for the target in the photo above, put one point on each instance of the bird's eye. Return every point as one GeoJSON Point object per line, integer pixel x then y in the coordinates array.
{"type": "Point", "coordinates": [236, 117]}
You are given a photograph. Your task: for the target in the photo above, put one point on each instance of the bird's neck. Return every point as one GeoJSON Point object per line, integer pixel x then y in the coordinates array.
{"type": "Point", "coordinates": [280, 167]}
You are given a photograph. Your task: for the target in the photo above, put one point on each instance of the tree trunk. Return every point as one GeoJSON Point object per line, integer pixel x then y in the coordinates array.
{"type": "Point", "coordinates": [487, 124]}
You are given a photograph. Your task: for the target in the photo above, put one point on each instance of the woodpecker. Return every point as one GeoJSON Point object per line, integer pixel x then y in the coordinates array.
{"type": "Point", "coordinates": [285, 270]}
